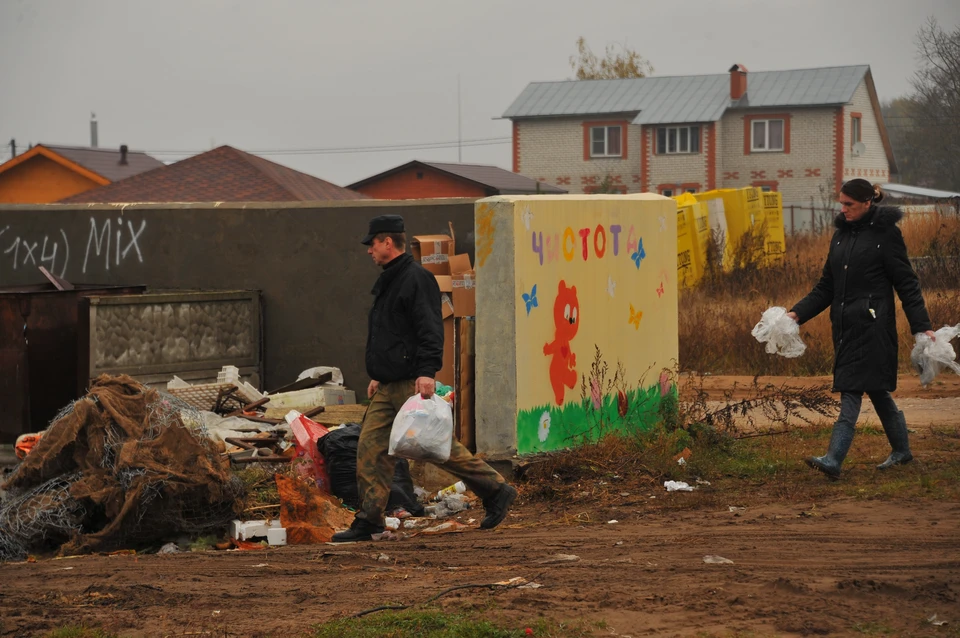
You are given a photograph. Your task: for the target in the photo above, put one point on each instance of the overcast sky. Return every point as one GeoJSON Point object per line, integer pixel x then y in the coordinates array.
{"type": "Point", "coordinates": [188, 75]}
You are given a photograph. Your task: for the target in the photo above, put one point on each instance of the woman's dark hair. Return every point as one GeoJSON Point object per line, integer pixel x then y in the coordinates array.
{"type": "Point", "coordinates": [862, 191]}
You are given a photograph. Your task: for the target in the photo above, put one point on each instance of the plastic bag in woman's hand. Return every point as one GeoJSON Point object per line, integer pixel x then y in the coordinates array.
{"type": "Point", "coordinates": [930, 357]}
{"type": "Point", "coordinates": [780, 333]}
{"type": "Point", "coordinates": [423, 430]}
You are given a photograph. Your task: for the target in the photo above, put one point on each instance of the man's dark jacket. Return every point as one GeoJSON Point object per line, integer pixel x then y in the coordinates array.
{"type": "Point", "coordinates": [866, 262]}
{"type": "Point", "coordinates": [405, 338]}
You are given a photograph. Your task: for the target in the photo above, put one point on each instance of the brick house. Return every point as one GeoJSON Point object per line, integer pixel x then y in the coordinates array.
{"type": "Point", "coordinates": [801, 132]}
{"type": "Point", "coordinates": [425, 180]}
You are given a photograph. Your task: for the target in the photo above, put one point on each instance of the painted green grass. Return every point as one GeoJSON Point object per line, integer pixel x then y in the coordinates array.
{"type": "Point", "coordinates": [576, 423]}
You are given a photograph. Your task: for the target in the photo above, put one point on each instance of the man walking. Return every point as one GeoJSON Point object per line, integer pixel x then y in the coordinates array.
{"type": "Point", "coordinates": [404, 353]}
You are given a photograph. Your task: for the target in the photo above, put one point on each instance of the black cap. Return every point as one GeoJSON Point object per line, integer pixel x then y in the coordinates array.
{"type": "Point", "coordinates": [383, 224]}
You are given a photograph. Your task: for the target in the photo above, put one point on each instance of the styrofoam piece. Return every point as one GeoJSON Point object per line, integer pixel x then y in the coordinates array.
{"type": "Point", "coordinates": [312, 397]}
{"type": "Point", "coordinates": [277, 535]}
{"type": "Point", "coordinates": [245, 530]}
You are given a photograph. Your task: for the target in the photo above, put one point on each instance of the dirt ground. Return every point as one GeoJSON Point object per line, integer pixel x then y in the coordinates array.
{"type": "Point", "coordinates": [840, 566]}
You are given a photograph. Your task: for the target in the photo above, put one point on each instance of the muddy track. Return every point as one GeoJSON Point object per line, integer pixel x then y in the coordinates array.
{"type": "Point", "coordinates": [835, 568]}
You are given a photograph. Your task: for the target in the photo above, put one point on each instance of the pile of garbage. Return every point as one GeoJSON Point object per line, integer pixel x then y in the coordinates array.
{"type": "Point", "coordinates": [130, 467]}
{"type": "Point", "coordinates": [116, 469]}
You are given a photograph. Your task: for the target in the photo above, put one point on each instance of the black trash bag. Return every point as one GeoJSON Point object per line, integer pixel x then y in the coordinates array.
{"type": "Point", "coordinates": [339, 450]}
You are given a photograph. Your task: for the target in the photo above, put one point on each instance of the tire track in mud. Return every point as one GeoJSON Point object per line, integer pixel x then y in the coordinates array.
{"type": "Point", "coordinates": [794, 573]}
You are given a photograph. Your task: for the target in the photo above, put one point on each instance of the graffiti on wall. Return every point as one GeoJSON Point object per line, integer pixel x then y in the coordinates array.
{"type": "Point", "coordinates": [594, 319]}
{"type": "Point", "coordinates": [104, 243]}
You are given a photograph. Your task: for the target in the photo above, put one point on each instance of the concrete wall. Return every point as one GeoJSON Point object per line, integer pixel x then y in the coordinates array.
{"type": "Point", "coordinates": [567, 286]}
{"type": "Point", "coordinates": [306, 258]}
{"type": "Point", "coordinates": [552, 150]}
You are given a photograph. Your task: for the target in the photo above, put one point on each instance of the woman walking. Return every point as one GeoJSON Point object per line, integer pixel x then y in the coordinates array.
{"type": "Point", "coordinates": [867, 261]}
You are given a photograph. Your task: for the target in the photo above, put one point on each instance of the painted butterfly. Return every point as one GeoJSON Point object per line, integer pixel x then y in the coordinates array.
{"type": "Point", "coordinates": [640, 254]}
{"type": "Point", "coordinates": [635, 317]}
{"type": "Point", "coordinates": [531, 299]}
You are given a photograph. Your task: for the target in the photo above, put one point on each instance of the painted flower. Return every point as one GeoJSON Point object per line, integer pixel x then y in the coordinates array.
{"type": "Point", "coordinates": [664, 383]}
{"type": "Point", "coordinates": [595, 393]}
{"type": "Point", "coordinates": [543, 431]}
{"type": "Point", "coordinates": [622, 405]}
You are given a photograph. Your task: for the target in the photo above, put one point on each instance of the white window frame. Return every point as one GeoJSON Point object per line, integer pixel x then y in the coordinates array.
{"type": "Point", "coordinates": [676, 130]}
{"type": "Point", "coordinates": [856, 130]}
{"type": "Point", "coordinates": [606, 140]}
{"type": "Point", "coordinates": [766, 135]}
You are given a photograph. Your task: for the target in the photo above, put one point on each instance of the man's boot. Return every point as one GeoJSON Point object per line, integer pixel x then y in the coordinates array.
{"type": "Point", "coordinates": [840, 442]}
{"type": "Point", "coordinates": [360, 530]}
{"type": "Point", "coordinates": [497, 505]}
{"type": "Point", "coordinates": [897, 435]}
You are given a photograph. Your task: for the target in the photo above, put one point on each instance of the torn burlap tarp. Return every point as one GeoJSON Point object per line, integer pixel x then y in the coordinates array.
{"type": "Point", "coordinates": [117, 470]}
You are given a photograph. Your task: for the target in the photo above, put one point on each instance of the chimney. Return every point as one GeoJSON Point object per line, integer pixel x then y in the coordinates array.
{"type": "Point", "coordinates": [123, 154]}
{"type": "Point", "coordinates": [93, 130]}
{"type": "Point", "coordinates": [738, 81]}
{"type": "Point", "coordinates": [13, 148]}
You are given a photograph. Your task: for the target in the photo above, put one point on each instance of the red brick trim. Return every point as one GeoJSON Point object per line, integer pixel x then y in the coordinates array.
{"type": "Point", "coordinates": [711, 129]}
{"type": "Point", "coordinates": [620, 188]}
{"type": "Point", "coordinates": [838, 150]}
{"type": "Point", "coordinates": [516, 147]}
{"type": "Point", "coordinates": [774, 185]}
{"type": "Point", "coordinates": [682, 187]}
{"type": "Point", "coordinates": [748, 127]}
{"type": "Point", "coordinates": [623, 124]}
{"type": "Point", "coordinates": [645, 161]}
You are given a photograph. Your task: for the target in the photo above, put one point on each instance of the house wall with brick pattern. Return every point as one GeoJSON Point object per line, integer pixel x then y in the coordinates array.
{"type": "Point", "coordinates": [798, 173]}
{"type": "Point", "coordinates": [552, 151]}
{"type": "Point", "coordinates": [688, 170]}
{"type": "Point", "coordinates": [872, 165]}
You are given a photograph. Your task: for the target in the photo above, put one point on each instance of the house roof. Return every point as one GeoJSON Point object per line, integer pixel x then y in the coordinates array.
{"type": "Point", "coordinates": [904, 190]}
{"type": "Point", "coordinates": [492, 177]}
{"type": "Point", "coordinates": [223, 174]}
{"type": "Point", "coordinates": [106, 162]}
{"type": "Point", "coordinates": [693, 98]}
{"type": "Point", "coordinates": [97, 164]}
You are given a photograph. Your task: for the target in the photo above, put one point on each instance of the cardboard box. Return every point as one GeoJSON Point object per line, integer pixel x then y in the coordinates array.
{"type": "Point", "coordinates": [465, 428]}
{"type": "Point", "coordinates": [446, 374]}
{"type": "Point", "coordinates": [445, 282]}
{"type": "Point", "coordinates": [464, 286]}
{"type": "Point", "coordinates": [465, 294]}
{"type": "Point", "coordinates": [433, 251]}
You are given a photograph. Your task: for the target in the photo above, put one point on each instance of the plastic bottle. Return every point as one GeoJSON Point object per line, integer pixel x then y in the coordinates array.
{"type": "Point", "coordinates": [456, 488]}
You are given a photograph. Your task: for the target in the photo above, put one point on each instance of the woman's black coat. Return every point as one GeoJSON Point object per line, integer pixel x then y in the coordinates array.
{"type": "Point", "coordinates": [866, 262]}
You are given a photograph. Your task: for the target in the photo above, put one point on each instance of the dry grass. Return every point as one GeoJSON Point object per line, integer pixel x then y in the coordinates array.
{"type": "Point", "coordinates": [717, 316]}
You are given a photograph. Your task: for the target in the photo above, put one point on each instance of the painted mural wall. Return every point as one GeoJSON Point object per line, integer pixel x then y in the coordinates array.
{"type": "Point", "coordinates": [591, 284]}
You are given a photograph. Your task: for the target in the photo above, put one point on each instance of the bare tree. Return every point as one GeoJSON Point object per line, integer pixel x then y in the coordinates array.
{"type": "Point", "coordinates": [925, 127]}
{"type": "Point", "coordinates": [619, 62]}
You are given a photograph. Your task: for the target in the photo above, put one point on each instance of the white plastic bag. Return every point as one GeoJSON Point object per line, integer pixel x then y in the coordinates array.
{"type": "Point", "coordinates": [422, 430]}
{"type": "Point", "coordinates": [930, 357]}
{"type": "Point", "coordinates": [780, 333]}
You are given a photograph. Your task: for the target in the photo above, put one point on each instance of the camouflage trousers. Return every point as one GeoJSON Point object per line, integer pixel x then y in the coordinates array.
{"type": "Point", "coordinates": [375, 467]}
